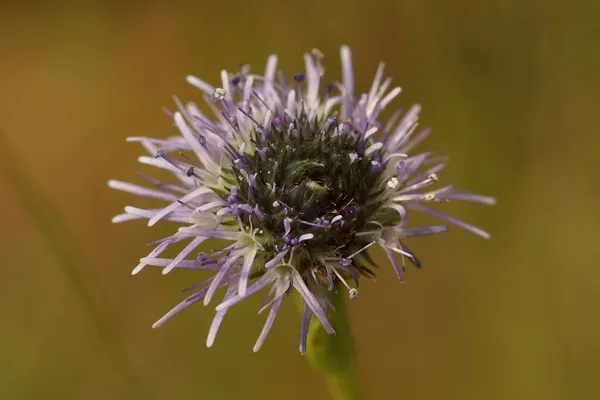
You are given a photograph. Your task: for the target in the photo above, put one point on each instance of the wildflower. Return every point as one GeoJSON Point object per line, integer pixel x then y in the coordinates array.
{"type": "Point", "coordinates": [300, 181]}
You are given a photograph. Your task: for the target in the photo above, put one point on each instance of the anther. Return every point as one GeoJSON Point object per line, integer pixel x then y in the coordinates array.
{"type": "Point", "coordinates": [317, 53]}
{"type": "Point", "coordinates": [219, 93]}
{"type": "Point", "coordinates": [433, 177]}
{"type": "Point", "coordinates": [298, 77]}
{"type": "Point", "coordinates": [393, 182]}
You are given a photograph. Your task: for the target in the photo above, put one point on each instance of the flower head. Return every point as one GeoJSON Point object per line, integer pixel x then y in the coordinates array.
{"type": "Point", "coordinates": [300, 179]}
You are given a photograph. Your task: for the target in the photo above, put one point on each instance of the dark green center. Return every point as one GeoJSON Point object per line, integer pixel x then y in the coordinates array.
{"type": "Point", "coordinates": [316, 174]}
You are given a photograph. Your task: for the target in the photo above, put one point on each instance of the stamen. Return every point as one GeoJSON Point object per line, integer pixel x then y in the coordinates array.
{"type": "Point", "coordinates": [261, 99]}
{"type": "Point", "coordinates": [317, 54]}
{"type": "Point", "coordinates": [188, 159]}
{"type": "Point", "coordinates": [250, 117]}
{"type": "Point", "coordinates": [393, 182]}
{"type": "Point", "coordinates": [335, 219]}
{"type": "Point", "coordinates": [236, 80]}
{"type": "Point", "coordinates": [298, 77]}
{"type": "Point", "coordinates": [352, 292]}
{"type": "Point", "coordinates": [361, 249]}
{"type": "Point", "coordinates": [190, 172]}
{"type": "Point", "coordinates": [186, 205]}
{"type": "Point", "coordinates": [169, 159]}
{"type": "Point", "coordinates": [219, 93]}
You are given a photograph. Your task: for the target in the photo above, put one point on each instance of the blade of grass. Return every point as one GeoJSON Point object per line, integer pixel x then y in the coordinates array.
{"type": "Point", "coordinates": [62, 244]}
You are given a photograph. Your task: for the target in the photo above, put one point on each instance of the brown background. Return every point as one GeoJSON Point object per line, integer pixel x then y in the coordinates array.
{"type": "Point", "coordinates": [511, 90]}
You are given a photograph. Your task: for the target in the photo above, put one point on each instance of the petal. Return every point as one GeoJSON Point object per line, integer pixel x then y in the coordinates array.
{"type": "Point", "coordinates": [200, 84]}
{"type": "Point", "coordinates": [452, 220]}
{"type": "Point", "coordinates": [414, 231]}
{"type": "Point", "coordinates": [268, 324]}
{"type": "Point", "coordinates": [245, 272]}
{"type": "Point", "coordinates": [347, 81]}
{"type": "Point", "coordinates": [218, 318]}
{"type": "Point", "coordinates": [259, 284]}
{"type": "Point", "coordinates": [213, 233]}
{"type": "Point", "coordinates": [183, 254]}
{"type": "Point", "coordinates": [312, 302]}
{"type": "Point", "coordinates": [394, 262]}
{"type": "Point", "coordinates": [306, 316]}
{"type": "Point", "coordinates": [140, 190]}
{"type": "Point", "coordinates": [176, 204]}
{"type": "Point", "coordinates": [194, 298]}
{"type": "Point", "coordinates": [218, 281]}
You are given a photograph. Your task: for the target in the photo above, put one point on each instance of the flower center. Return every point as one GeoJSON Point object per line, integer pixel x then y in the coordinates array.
{"type": "Point", "coordinates": [307, 172]}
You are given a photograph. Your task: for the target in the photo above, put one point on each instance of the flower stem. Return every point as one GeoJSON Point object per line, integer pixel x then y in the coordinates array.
{"type": "Point", "coordinates": [333, 355]}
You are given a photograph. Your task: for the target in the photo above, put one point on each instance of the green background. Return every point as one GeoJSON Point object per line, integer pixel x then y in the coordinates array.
{"type": "Point", "coordinates": [511, 90]}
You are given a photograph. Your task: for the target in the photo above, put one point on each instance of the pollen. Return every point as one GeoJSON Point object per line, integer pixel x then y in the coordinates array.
{"type": "Point", "coordinates": [219, 93]}
{"type": "Point", "coordinates": [429, 197]}
{"type": "Point", "coordinates": [393, 183]}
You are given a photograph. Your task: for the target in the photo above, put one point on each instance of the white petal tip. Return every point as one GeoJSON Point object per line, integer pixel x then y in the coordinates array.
{"type": "Point", "coordinates": [156, 325]}
{"type": "Point", "coordinates": [137, 269]}
{"type": "Point", "coordinates": [167, 270]}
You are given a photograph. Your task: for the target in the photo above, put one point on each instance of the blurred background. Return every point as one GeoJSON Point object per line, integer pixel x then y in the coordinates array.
{"type": "Point", "coordinates": [511, 89]}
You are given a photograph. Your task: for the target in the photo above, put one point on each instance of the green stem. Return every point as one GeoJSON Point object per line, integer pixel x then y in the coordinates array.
{"type": "Point", "coordinates": [333, 355]}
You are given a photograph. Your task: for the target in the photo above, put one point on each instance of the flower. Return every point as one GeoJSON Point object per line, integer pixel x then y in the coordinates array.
{"type": "Point", "coordinates": [299, 179]}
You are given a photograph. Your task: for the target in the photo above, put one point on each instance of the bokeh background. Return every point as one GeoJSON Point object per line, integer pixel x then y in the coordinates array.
{"type": "Point", "coordinates": [511, 89]}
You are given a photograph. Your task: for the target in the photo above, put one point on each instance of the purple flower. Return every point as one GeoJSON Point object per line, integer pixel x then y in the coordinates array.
{"type": "Point", "coordinates": [300, 187]}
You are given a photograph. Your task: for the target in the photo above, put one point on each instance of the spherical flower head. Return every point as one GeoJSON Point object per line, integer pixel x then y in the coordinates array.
{"type": "Point", "coordinates": [301, 178]}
